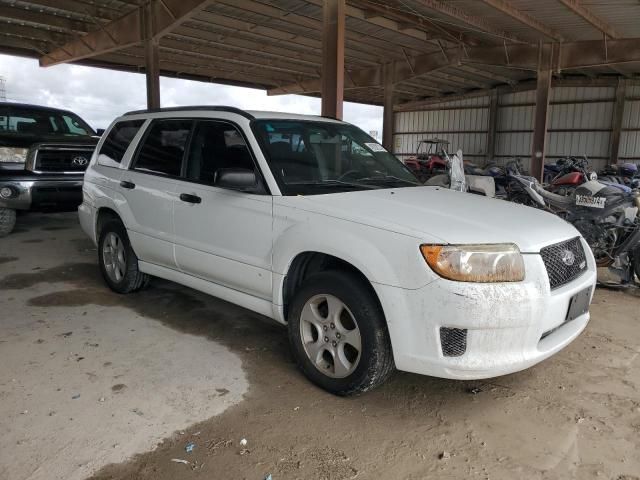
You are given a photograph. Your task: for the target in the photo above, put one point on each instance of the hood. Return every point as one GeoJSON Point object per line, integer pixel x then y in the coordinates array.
{"type": "Point", "coordinates": [443, 215]}
{"type": "Point", "coordinates": [25, 140]}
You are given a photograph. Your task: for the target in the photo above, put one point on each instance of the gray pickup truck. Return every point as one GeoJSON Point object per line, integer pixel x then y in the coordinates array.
{"type": "Point", "coordinates": [43, 155]}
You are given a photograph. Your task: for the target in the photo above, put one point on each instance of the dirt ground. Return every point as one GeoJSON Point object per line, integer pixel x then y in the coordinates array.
{"type": "Point", "coordinates": [576, 415]}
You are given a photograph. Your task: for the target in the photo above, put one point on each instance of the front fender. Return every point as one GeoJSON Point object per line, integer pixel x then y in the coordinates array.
{"type": "Point", "coordinates": [382, 256]}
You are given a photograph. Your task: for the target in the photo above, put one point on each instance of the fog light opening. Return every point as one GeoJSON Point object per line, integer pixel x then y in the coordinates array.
{"type": "Point", "coordinates": [453, 341]}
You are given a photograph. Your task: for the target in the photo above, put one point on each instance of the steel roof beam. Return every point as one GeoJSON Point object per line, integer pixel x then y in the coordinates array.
{"type": "Point", "coordinates": [126, 31]}
{"type": "Point", "coordinates": [521, 87]}
{"type": "Point", "coordinates": [219, 54]}
{"type": "Point", "coordinates": [292, 35]}
{"type": "Point", "coordinates": [477, 23]}
{"type": "Point", "coordinates": [41, 18]}
{"type": "Point", "coordinates": [587, 15]}
{"type": "Point", "coordinates": [505, 7]}
{"type": "Point", "coordinates": [571, 55]}
{"type": "Point", "coordinates": [314, 24]}
{"type": "Point", "coordinates": [82, 8]}
{"type": "Point", "coordinates": [406, 20]}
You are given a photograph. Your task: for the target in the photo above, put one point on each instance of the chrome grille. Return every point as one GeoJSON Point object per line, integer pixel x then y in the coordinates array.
{"type": "Point", "coordinates": [453, 341]}
{"type": "Point", "coordinates": [62, 160]}
{"type": "Point", "coordinates": [564, 261]}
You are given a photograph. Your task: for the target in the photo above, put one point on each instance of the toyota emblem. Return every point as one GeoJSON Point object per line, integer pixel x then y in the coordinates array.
{"type": "Point", "coordinates": [80, 161]}
{"type": "Point", "coordinates": [568, 257]}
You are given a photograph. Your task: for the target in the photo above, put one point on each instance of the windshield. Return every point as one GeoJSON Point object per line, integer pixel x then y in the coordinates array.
{"type": "Point", "coordinates": [41, 122]}
{"type": "Point", "coordinates": [310, 158]}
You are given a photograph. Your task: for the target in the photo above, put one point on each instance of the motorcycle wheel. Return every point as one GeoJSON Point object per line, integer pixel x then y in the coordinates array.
{"type": "Point", "coordinates": [636, 263]}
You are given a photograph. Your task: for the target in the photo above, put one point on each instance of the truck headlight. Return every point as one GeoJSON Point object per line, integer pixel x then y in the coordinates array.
{"type": "Point", "coordinates": [475, 263]}
{"type": "Point", "coordinates": [13, 155]}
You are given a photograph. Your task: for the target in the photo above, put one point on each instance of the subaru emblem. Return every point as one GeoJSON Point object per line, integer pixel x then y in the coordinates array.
{"type": "Point", "coordinates": [568, 257]}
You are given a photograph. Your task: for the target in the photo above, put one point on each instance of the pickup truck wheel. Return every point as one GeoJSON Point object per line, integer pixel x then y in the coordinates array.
{"type": "Point", "coordinates": [338, 334]}
{"type": "Point", "coordinates": [118, 261]}
{"type": "Point", "coordinates": [7, 221]}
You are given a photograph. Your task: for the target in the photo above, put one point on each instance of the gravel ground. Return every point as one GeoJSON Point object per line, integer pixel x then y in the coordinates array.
{"type": "Point", "coordinates": [576, 415]}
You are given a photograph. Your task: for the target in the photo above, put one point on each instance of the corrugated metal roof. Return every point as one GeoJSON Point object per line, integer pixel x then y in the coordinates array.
{"type": "Point", "coordinates": [278, 43]}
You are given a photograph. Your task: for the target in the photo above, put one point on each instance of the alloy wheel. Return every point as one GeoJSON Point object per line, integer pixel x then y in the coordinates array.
{"type": "Point", "coordinates": [330, 336]}
{"type": "Point", "coordinates": [114, 257]}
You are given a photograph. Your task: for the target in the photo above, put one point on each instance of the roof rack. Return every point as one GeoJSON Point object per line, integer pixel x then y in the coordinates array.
{"type": "Point", "coordinates": [214, 108]}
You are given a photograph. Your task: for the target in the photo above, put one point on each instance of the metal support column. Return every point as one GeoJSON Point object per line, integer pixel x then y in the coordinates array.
{"type": "Point", "coordinates": [333, 58]}
{"type": "Point", "coordinates": [618, 115]}
{"type": "Point", "coordinates": [389, 100]}
{"type": "Point", "coordinates": [543, 91]}
{"type": "Point", "coordinates": [152, 58]}
{"type": "Point", "coordinates": [493, 124]}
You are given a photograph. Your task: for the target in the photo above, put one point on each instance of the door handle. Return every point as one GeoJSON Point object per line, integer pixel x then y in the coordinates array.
{"type": "Point", "coordinates": [129, 185]}
{"type": "Point", "coordinates": [185, 197]}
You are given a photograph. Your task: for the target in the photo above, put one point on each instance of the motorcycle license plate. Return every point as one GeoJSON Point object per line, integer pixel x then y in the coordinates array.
{"type": "Point", "coordinates": [578, 305]}
{"type": "Point", "coordinates": [593, 202]}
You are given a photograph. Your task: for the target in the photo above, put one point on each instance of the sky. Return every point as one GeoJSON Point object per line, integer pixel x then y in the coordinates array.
{"type": "Point", "coordinates": [99, 95]}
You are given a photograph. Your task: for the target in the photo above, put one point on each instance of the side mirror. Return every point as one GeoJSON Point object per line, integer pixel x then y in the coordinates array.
{"type": "Point", "coordinates": [100, 131]}
{"type": "Point", "coordinates": [236, 179]}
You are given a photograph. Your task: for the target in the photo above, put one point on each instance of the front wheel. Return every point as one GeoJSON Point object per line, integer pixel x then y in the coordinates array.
{"type": "Point", "coordinates": [118, 261]}
{"type": "Point", "coordinates": [338, 334]}
{"type": "Point", "coordinates": [7, 221]}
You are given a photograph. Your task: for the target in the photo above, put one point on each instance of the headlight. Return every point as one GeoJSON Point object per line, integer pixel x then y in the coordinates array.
{"type": "Point", "coordinates": [13, 155]}
{"type": "Point", "coordinates": [475, 263]}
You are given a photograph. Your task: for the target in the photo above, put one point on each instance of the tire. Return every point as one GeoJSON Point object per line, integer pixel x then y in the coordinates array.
{"type": "Point", "coordinates": [361, 320]}
{"type": "Point", "coordinates": [7, 221]}
{"type": "Point", "coordinates": [118, 262]}
{"type": "Point", "coordinates": [636, 263]}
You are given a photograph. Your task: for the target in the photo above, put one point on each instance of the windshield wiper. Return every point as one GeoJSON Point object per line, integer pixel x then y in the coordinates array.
{"type": "Point", "coordinates": [333, 183]}
{"type": "Point", "coordinates": [386, 178]}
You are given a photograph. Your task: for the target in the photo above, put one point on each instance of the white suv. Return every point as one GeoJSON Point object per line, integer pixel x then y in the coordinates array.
{"type": "Point", "coordinates": [309, 221]}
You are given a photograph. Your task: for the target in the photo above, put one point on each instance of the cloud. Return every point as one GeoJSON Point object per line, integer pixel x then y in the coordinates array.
{"type": "Point", "coordinates": [99, 95]}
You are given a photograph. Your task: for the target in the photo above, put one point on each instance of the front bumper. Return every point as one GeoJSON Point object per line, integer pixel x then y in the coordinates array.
{"type": "Point", "coordinates": [34, 193]}
{"type": "Point", "coordinates": [510, 326]}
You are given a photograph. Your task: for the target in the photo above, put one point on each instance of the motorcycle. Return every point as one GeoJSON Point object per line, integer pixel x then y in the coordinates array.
{"type": "Point", "coordinates": [626, 174]}
{"type": "Point", "coordinates": [569, 173]}
{"type": "Point", "coordinates": [606, 216]}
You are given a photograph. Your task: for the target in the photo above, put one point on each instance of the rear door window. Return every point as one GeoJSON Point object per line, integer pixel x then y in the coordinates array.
{"type": "Point", "coordinates": [117, 141]}
{"type": "Point", "coordinates": [162, 150]}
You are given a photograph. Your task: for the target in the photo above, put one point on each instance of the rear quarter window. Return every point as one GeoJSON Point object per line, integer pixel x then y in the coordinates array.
{"type": "Point", "coordinates": [162, 150]}
{"type": "Point", "coordinates": [117, 141]}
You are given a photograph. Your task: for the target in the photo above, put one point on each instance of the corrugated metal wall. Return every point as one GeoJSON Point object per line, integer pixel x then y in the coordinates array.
{"type": "Point", "coordinates": [630, 136]}
{"type": "Point", "coordinates": [579, 124]}
{"type": "Point", "coordinates": [464, 123]}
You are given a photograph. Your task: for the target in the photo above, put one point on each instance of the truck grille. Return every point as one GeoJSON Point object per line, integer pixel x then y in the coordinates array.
{"type": "Point", "coordinates": [565, 261]}
{"type": "Point", "coordinates": [59, 160]}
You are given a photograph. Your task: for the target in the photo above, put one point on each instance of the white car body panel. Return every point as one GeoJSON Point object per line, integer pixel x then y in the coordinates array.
{"type": "Point", "coordinates": [226, 239]}
{"type": "Point", "coordinates": [440, 215]}
{"type": "Point", "coordinates": [148, 214]}
{"type": "Point", "coordinates": [240, 247]}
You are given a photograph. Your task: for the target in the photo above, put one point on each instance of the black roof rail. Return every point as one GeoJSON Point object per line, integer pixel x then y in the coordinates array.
{"type": "Point", "coordinates": [210, 108]}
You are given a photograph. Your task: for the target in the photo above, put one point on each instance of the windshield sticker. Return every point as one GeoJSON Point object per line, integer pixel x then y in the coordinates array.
{"type": "Point", "coordinates": [375, 147]}
{"type": "Point", "coordinates": [593, 202]}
